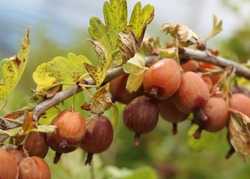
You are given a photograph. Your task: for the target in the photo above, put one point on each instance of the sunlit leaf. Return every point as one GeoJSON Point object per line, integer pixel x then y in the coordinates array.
{"type": "Point", "coordinates": [45, 128]}
{"type": "Point", "coordinates": [140, 18]}
{"type": "Point", "coordinates": [11, 69]}
{"type": "Point", "coordinates": [217, 27]}
{"type": "Point", "coordinates": [59, 71]}
{"type": "Point", "coordinates": [135, 67]}
{"type": "Point", "coordinates": [49, 116]}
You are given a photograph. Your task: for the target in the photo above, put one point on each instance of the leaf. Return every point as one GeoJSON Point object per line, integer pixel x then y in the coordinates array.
{"type": "Point", "coordinates": [101, 101]}
{"type": "Point", "coordinates": [216, 29]}
{"type": "Point", "coordinates": [134, 82]}
{"type": "Point", "coordinates": [107, 39]}
{"type": "Point", "coordinates": [182, 33]}
{"type": "Point", "coordinates": [49, 116]}
{"type": "Point", "coordinates": [115, 115]}
{"type": "Point", "coordinates": [239, 132]}
{"type": "Point", "coordinates": [28, 123]}
{"type": "Point", "coordinates": [135, 67]}
{"type": "Point", "coordinates": [44, 128]}
{"type": "Point", "coordinates": [140, 18]}
{"type": "Point", "coordinates": [59, 71]}
{"type": "Point", "coordinates": [11, 69]}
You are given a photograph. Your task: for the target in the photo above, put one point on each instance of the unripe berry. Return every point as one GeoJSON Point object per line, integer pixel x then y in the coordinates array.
{"type": "Point", "coordinates": [98, 137]}
{"type": "Point", "coordinates": [163, 78]}
{"type": "Point", "coordinates": [192, 94]}
{"type": "Point", "coordinates": [36, 144]}
{"type": "Point", "coordinates": [141, 116]}
{"type": "Point", "coordinates": [70, 129]}
{"type": "Point", "coordinates": [170, 113]}
{"type": "Point", "coordinates": [8, 165]}
{"type": "Point", "coordinates": [241, 103]}
{"type": "Point", "coordinates": [119, 92]}
{"type": "Point", "coordinates": [34, 168]}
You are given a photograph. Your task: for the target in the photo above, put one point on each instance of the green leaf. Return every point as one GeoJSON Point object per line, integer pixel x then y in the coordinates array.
{"type": "Point", "coordinates": [105, 35]}
{"type": "Point", "coordinates": [140, 18]}
{"type": "Point", "coordinates": [11, 69]}
{"type": "Point", "coordinates": [216, 29]}
{"type": "Point", "coordinates": [59, 71]}
{"type": "Point", "coordinates": [49, 116]}
{"type": "Point", "coordinates": [134, 82]}
{"type": "Point", "coordinates": [45, 128]}
{"type": "Point", "coordinates": [135, 67]}
{"type": "Point", "coordinates": [115, 115]}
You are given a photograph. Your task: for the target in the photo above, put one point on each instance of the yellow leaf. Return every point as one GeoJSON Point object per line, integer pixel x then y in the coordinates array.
{"type": "Point", "coordinates": [134, 82]}
{"type": "Point", "coordinates": [11, 69]}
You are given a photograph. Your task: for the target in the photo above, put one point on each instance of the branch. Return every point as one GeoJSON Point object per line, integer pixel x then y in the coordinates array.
{"type": "Point", "coordinates": [198, 55]}
{"type": "Point", "coordinates": [205, 56]}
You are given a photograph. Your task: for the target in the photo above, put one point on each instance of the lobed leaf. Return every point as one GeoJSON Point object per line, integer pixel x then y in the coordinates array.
{"type": "Point", "coordinates": [11, 69]}
{"type": "Point", "coordinates": [59, 71]}
{"type": "Point", "coordinates": [140, 18]}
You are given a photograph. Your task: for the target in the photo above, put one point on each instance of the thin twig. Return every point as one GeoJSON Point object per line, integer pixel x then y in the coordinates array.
{"type": "Point", "coordinates": [198, 55]}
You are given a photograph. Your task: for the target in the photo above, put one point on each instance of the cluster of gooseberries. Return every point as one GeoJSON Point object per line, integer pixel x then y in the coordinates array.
{"type": "Point", "coordinates": [72, 131]}
{"type": "Point", "coordinates": [170, 90]}
{"type": "Point", "coordinates": [174, 91]}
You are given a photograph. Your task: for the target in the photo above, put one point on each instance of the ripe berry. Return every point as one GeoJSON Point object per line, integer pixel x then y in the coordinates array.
{"type": "Point", "coordinates": [193, 93]}
{"type": "Point", "coordinates": [170, 113]}
{"type": "Point", "coordinates": [36, 144]}
{"type": "Point", "coordinates": [208, 81]}
{"type": "Point", "coordinates": [163, 78]}
{"type": "Point", "coordinates": [98, 137]}
{"type": "Point", "coordinates": [70, 129]}
{"type": "Point", "coordinates": [190, 65]}
{"type": "Point", "coordinates": [241, 103]}
{"type": "Point", "coordinates": [8, 165]}
{"type": "Point", "coordinates": [17, 153]}
{"type": "Point", "coordinates": [34, 168]}
{"type": "Point", "coordinates": [214, 115]}
{"type": "Point", "coordinates": [119, 91]}
{"type": "Point", "coordinates": [141, 116]}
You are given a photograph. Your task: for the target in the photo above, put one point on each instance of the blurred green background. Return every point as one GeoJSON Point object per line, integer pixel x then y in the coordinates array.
{"type": "Point", "coordinates": [59, 27]}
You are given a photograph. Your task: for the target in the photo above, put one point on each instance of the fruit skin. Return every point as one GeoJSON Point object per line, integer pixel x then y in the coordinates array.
{"type": "Point", "coordinates": [70, 129]}
{"type": "Point", "coordinates": [98, 137]}
{"type": "Point", "coordinates": [36, 144]}
{"type": "Point", "coordinates": [208, 81]}
{"type": "Point", "coordinates": [164, 77]}
{"type": "Point", "coordinates": [241, 103]}
{"type": "Point", "coordinates": [193, 93]}
{"type": "Point", "coordinates": [217, 115]}
{"type": "Point", "coordinates": [141, 115]}
{"type": "Point", "coordinates": [17, 153]}
{"type": "Point", "coordinates": [190, 65]}
{"type": "Point", "coordinates": [34, 168]}
{"type": "Point", "coordinates": [8, 165]}
{"type": "Point", "coordinates": [170, 113]}
{"type": "Point", "coordinates": [119, 92]}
